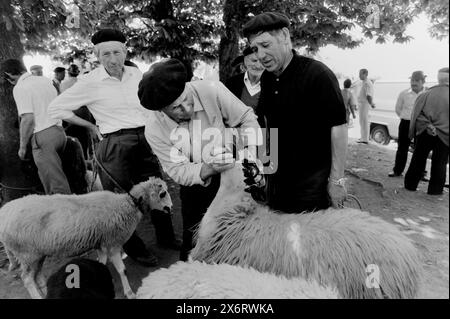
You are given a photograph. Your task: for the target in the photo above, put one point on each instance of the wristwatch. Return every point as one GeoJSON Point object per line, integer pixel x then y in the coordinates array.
{"type": "Point", "coordinates": [339, 182]}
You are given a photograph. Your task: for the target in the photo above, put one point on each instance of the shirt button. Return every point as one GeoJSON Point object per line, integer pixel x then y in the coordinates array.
{"type": "Point", "coordinates": [276, 92]}
{"type": "Point", "coordinates": [277, 79]}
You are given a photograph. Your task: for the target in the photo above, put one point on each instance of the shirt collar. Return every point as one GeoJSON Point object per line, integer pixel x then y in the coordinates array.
{"type": "Point", "coordinates": [103, 75]}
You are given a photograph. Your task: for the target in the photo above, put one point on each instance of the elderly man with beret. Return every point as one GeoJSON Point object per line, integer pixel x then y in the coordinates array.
{"type": "Point", "coordinates": [430, 127]}
{"type": "Point", "coordinates": [302, 99]}
{"type": "Point", "coordinates": [186, 117]}
{"type": "Point", "coordinates": [110, 94]}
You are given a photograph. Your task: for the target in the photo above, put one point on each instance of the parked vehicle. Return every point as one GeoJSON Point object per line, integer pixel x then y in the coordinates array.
{"type": "Point", "coordinates": [383, 125]}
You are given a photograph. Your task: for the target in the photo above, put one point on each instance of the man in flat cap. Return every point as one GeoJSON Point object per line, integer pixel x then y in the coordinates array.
{"type": "Point", "coordinates": [60, 74]}
{"type": "Point", "coordinates": [430, 127]}
{"type": "Point", "coordinates": [36, 70]}
{"type": "Point", "coordinates": [110, 94]}
{"type": "Point", "coordinates": [33, 95]}
{"type": "Point", "coordinates": [246, 86]}
{"type": "Point", "coordinates": [404, 108]}
{"type": "Point", "coordinates": [302, 99]}
{"type": "Point", "coordinates": [186, 117]}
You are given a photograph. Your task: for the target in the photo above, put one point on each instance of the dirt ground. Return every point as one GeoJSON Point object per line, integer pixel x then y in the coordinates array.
{"type": "Point", "coordinates": [423, 218]}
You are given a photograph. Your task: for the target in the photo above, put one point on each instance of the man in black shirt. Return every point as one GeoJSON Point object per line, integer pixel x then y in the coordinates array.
{"type": "Point", "coordinates": [302, 99]}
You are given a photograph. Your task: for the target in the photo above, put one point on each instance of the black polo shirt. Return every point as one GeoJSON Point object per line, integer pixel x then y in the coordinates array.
{"type": "Point", "coordinates": [304, 103]}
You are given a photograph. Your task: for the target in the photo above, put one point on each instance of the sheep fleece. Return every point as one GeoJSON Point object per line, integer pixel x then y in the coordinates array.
{"type": "Point", "coordinates": [198, 280]}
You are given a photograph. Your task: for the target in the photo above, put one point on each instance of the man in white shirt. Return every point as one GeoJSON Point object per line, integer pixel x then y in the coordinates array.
{"type": "Point", "coordinates": [110, 94]}
{"type": "Point", "coordinates": [73, 71]}
{"type": "Point", "coordinates": [404, 108]}
{"type": "Point", "coordinates": [188, 121]}
{"type": "Point", "coordinates": [32, 95]}
{"type": "Point", "coordinates": [365, 100]}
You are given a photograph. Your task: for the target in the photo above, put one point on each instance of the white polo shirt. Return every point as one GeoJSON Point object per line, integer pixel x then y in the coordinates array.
{"type": "Point", "coordinates": [405, 103]}
{"type": "Point", "coordinates": [33, 94]}
{"type": "Point", "coordinates": [113, 103]}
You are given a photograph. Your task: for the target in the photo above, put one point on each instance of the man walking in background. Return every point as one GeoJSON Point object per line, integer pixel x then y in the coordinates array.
{"type": "Point", "coordinates": [365, 100]}
{"type": "Point", "coordinates": [404, 108]}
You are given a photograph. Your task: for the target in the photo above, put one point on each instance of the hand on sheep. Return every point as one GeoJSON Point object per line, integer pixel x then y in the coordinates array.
{"type": "Point", "coordinates": [254, 179]}
{"type": "Point", "coordinates": [220, 160]}
{"type": "Point", "coordinates": [338, 193]}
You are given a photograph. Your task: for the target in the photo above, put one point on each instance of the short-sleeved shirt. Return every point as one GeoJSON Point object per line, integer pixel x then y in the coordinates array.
{"type": "Point", "coordinates": [33, 94]}
{"type": "Point", "coordinates": [366, 89]}
{"type": "Point", "coordinates": [405, 103]}
{"type": "Point", "coordinates": [113, 103]}
{"type": "Point", "coordinates": [304, 103]}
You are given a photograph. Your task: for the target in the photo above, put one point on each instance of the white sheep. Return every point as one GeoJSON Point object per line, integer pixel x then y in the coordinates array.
{"type": "Point", "coordinates": [198, 280]}
{"type": "Point", "coordinates": [38, 226]}
{"type": "Point", "coordinates": [338, 248]}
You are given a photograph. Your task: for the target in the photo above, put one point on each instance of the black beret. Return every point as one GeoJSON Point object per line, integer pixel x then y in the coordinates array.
{"type": "Point", "coordinates": [106, 35]}
{"type": "Point", "coordinates": [162, 84]}
{"type": "Point", "coordinates": [266, 21]}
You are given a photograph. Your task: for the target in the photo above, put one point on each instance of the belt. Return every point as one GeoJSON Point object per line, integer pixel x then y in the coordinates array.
{"type": "Point", "coordinates": [125, 131]}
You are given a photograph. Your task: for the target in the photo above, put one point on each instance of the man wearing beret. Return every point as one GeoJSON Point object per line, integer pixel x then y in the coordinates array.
{"type": "Point", "coordinates": [246, 86]}
{"type": "Point", "coordinates": [301, 97]}
{"type": "Point", "coordinates": [110, 94]}
{"type": "Point", "coordinates": [430, 127]}
{"type": "Point", "coordinates": [192, 110]}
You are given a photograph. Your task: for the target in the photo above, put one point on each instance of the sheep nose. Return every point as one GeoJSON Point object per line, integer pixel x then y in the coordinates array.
{"type": "Point", "coordinates": [163, 194]}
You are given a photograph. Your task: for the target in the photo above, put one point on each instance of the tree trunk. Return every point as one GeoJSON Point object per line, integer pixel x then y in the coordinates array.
{"type": "Point", "coordinates": [233, 14]}
{"type": "Point", "coordinates": [17, 178]}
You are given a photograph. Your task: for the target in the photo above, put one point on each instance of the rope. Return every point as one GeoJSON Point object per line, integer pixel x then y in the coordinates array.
{"type": "Point", "coordinates": [354, 198]}
{"type": "Point", "coordinates": [136, 201]}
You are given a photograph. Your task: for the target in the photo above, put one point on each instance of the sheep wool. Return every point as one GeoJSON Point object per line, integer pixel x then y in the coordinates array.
{"type": "Point", "coordinates": [338, 248]}
{"type": "Point", "coordinates": [198, 280]}
{"type": "Point", "coordinates": [37, 226]}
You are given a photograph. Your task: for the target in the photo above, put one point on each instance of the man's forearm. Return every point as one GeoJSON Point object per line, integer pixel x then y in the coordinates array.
{"type": "Point", "coordinates": [79, 121]}
{"type": "Point", "coordinates": [339, 138]}
{"type": "Point", "coordinates": [26, 130]}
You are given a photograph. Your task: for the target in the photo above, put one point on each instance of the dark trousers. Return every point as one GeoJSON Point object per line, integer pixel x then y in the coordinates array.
{"type": "Point", "coordinates": [404, 142]}
{"type": "Point", "coordinates": [129, 159]}
{"type": "Point", "coordinates": [195, 200]}
{"type": "Point", "coordinates": [426, 143]}
{"type": "Point", "coordinates": [48, 147]}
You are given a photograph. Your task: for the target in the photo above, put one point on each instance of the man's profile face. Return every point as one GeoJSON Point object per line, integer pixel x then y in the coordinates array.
{"type": "Point", "coordinates": [182, 109]}
{"type": "Point", "coordinates": [112, 56]}
{"type": "Point", "coordinates": [60, 75]}
{"type": "Point", "coordinates": [417, 84]}
{"type": "Point", "coordinates": [271, 50]}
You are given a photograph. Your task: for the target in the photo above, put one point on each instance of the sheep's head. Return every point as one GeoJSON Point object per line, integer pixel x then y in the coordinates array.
{"type": "Point", "coordinates": [233, 179]}
{"type": "Point", "coordinates": [155, 196]}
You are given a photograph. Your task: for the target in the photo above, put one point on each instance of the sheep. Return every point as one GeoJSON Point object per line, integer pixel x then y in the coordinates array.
{"type": "Point", "coordinates": [335, 246]}
{"type": "Point", "coordinates": [37, 226]}
{"type": "Point", "coordinates": [198, 280]}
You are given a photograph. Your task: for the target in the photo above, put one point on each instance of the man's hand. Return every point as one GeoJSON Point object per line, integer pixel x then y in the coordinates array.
{"type": "Point", "coordinates": [22, 153]}
{"type": "Point", "coordinates": [431, 130]}
{"type": "Point", "coordinates": [337, 192]}
{"type": "Point", "coordinates": [95, 132]}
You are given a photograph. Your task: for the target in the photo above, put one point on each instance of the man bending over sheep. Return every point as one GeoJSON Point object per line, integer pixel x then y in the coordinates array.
{"type": "Point", "coordinates": [109, 92]}
{"type": "Point", "coordinates": [194, 108]}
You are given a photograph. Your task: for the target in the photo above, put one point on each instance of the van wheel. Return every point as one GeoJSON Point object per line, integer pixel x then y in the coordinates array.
{"type": "Point", "coordinates": [380, 135]}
